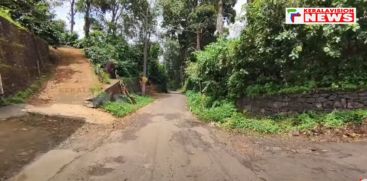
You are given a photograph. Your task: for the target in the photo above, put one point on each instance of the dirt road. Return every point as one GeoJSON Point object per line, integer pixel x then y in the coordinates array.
{"type": "Point", "coordinates": [72, 81]}
{"type": "Point", "coordinates": [69, 88]}
{"type": "Point", "coordinates": [164, 141]}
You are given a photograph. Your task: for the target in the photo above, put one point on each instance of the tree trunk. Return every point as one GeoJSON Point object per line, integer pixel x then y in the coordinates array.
{"type": "Point", "coordinates": [220, 23]}
{"type": "Point", "coordinates": [87, 18]}
{"type": "Point", "coordinates": [146, 48]}
{"type": "Point", "coordinates": [72, 15]}
{"type": "Point", "coordinates": [145, 65]}
{"type": "Point", "coordinates": [199, 33]}
{"type": "Point", "coordinates": [113, 22]}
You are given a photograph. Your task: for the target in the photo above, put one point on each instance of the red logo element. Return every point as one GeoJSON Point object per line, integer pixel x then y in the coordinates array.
{"type": "Point", "coordinates": [329, 15]}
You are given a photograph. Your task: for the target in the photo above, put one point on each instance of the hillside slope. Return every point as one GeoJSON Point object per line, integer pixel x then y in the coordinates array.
{"type": "Point", "coordinates": [72, 82]}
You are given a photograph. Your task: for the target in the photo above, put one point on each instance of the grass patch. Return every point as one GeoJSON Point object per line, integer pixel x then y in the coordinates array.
{"type": "Point", "coordinates": [225, 114]}
{"type": "Point", "coordinates": [121, 109]}
{"type": "Point", "coordinates": [4, 13]}
{"type": "Point", "coordinates": [23, 96]}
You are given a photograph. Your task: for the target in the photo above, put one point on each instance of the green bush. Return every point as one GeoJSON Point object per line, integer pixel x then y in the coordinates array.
{"type": "Point", "coordinates": [70, 39]}
{"type": "Point", "coordinates": [210, 72]}
{"type": "Point", "coordinates": [101, 48]}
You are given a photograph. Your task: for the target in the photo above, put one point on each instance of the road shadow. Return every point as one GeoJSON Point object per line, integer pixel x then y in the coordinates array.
{"type": "Point", "coordinates": [24, 138]}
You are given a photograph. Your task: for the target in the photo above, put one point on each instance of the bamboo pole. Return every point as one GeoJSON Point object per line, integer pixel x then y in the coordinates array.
{"type": "Point", "coordinates": [1, 86]}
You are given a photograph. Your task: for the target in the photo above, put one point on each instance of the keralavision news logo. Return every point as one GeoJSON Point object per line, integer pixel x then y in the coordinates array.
{"type": "Point", "coordinates": [321, 16]}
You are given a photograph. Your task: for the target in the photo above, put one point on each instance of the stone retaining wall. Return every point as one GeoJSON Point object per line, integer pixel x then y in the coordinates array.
{"type": "Point", "coordinates": [298, 103]}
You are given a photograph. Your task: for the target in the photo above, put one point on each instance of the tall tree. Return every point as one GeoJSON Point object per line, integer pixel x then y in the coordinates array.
{"type": "Point", "coordinates": [72, 11]}
{"type": "Point", "coordinates": [226, 13]}
{"type": "Point", "coordinates": [85, 6]}
{"type": "Point", "coordinates": [114, 9]}
{"type": "Point", "coordinates": [220, 20]}
{"type": "Point", "coordinates": [72, 15]}
{"type": "Point", "coordinates": [87, 19]}
{"type": "Point", "coordinates": [202, 20]}
{"type": "Point", "coordinates": [143, 14]}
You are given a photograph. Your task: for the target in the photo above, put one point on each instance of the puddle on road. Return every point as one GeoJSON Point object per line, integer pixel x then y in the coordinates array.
{"type": "Point", "coordinates": [22, 139]}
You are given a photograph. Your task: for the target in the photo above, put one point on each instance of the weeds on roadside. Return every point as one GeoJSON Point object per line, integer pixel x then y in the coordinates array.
{"type": "Point", "coordinates": [225, 114]}
{"type": "Point", "coordinates": [121, 109]}
{"type": "Point", "coordinates": [23, 96]}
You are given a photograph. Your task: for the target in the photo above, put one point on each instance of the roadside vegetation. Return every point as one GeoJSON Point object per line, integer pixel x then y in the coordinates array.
{"type": "Point", "coordinates": [271, 58]}
{"type": "Point", "coordinates": [121, 109]}
{"type": "Point", "coordinates": [225, 115]}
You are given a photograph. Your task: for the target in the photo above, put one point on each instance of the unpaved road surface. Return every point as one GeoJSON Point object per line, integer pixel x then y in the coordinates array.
{"type": "Point", "coordinates": [164, 141]}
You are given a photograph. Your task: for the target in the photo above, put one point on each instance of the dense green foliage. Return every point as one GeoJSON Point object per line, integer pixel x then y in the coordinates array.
{"type": "Point", "coordinates": [224, 114]}
{"type": "Point", "coordinates": [274, 58]}
{"type": "Point", "coordinates": [102, 48]}
{"type": "Point", "coordinates": [4, 13]}
{"type": "Point", "coordinates": [121, 109]}
{"type": "Point", "coordinates": [212, 70]}
{"type": "Point", "coordinates": [36, 16]}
